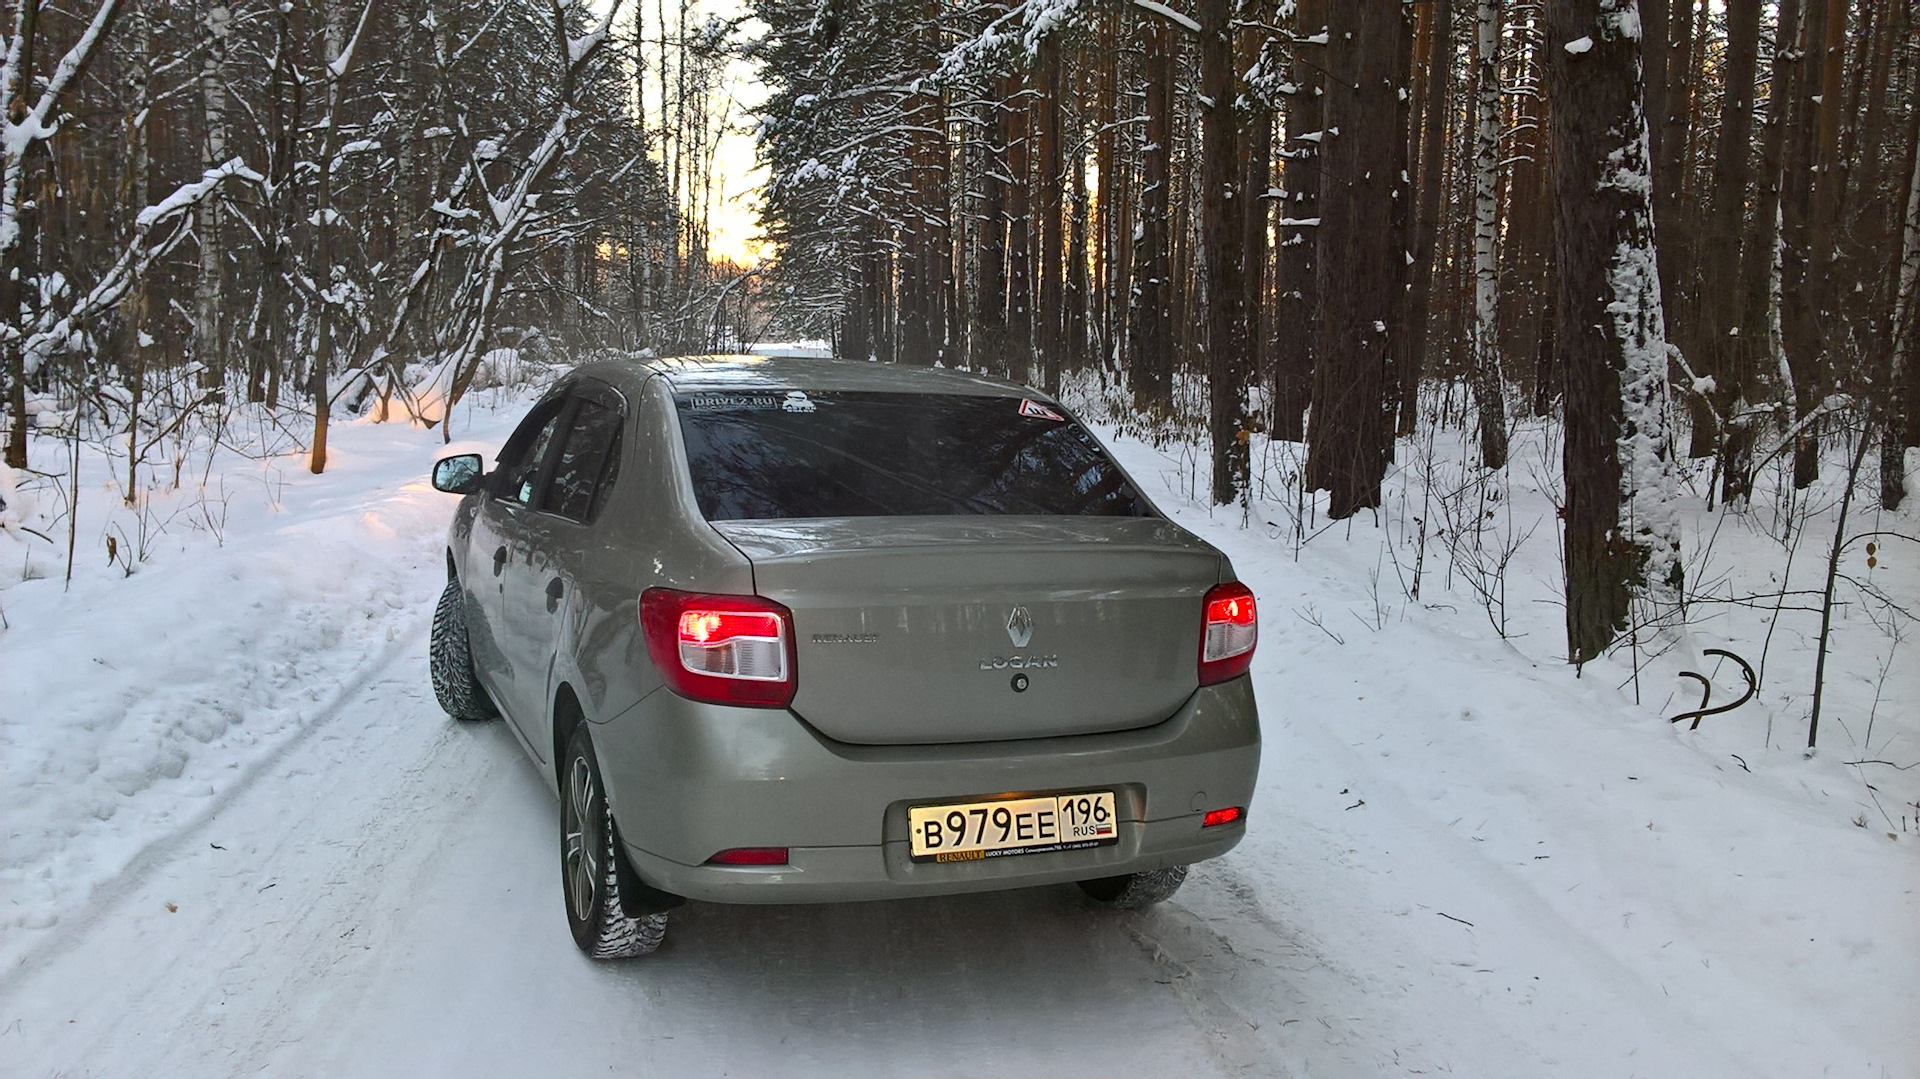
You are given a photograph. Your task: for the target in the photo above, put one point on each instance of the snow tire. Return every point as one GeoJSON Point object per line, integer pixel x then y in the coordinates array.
{"type": "Point", "coordinates": [450, 659]}
{"type": "Point", "coordinates": [590, 860]}
{"type": "Point", "coordinates": [1133, 891]}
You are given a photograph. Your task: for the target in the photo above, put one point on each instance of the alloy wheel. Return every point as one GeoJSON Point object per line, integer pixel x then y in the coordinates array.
{"type": "Point", "coordinates": [581, 836]}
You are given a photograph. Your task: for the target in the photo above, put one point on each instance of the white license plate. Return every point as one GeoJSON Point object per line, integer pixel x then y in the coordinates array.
{"type": "Point", "coordinates": [970, 831]}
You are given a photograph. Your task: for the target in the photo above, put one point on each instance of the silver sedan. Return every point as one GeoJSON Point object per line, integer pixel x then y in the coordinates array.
{"type": "Point", "coordinates": [789, 630]}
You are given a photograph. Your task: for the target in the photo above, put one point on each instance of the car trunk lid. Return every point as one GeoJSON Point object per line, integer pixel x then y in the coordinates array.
{"type": "Point", "coordinates": [965, 629]}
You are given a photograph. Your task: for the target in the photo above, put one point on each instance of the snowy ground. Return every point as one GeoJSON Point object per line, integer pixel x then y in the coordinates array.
{"type": "Point", "coordinates": [240, 837]}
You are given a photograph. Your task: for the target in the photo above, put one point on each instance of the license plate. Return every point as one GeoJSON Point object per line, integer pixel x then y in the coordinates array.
{"type": "Point", "coordinates": [970, 831]}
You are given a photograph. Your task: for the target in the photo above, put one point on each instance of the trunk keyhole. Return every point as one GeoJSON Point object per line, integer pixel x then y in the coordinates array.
{"type": "Point", "coordinates": [1019, 683]}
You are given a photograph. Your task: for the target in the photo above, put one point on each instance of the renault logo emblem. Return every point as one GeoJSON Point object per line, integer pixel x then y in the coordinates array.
{"type": "Point", "coordinates": [1020, 627]}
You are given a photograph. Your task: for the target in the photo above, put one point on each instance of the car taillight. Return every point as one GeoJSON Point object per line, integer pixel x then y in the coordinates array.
{"type": "Point", "coordinates": [1229, 633]}
{"type": "Point", "coordinates": [720, 648]}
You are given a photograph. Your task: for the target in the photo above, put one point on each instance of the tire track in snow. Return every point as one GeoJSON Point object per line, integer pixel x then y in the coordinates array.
{"type": "Point", "coordinates": [1238, 1041]}
{"type": "Point", "coordinates": [300, 882]}
{"type": "Point", "coordinates": [105, 895]}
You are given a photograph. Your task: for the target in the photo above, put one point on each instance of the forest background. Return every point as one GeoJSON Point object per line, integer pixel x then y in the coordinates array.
{"type": "Point", "coordinates": [1682, 238]}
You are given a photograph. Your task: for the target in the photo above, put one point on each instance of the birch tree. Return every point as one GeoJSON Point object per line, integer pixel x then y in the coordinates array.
{"type": "Point", "coordinates": [208, 293]}
{"type": "Point", "coordinates": [1489, 383]}
{"type": "Point", "coordinates": [1894, 432]}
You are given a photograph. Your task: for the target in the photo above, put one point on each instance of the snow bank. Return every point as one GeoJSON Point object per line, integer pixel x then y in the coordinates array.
{"type": "Point", "coordinates": [1506, 852]}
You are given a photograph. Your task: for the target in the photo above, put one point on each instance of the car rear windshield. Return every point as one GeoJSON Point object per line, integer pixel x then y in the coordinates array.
{"type": "Point", "coordinates": [787, 454]}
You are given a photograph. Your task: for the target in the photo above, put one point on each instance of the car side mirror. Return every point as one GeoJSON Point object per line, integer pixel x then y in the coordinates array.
{"type": "Point", "coordinates": [459, 475]}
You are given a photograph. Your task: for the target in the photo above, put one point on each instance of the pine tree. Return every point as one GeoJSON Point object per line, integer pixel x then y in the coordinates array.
{"type": "Point", "coordinates": [1362, 253]}
{"type": "Point", "coordinates": [1622, 535]}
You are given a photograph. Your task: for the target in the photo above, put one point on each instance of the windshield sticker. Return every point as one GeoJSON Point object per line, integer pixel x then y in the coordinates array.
{"type": "Point", "coordinates": [1034, 410]}
{"type": "Point", "coordinates": [740, 402]}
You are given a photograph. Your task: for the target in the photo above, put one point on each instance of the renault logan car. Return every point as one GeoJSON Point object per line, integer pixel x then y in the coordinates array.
{"type": "Point", "coordinates": [792, 630]}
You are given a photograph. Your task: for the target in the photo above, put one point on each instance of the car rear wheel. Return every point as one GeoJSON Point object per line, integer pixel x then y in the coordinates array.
{"type": "Point", "coordinates": [1132, 891]}
{"type": "Point", "coordinates": [590, 864]}
{"type": "Point", "coordinates": [450, 660]}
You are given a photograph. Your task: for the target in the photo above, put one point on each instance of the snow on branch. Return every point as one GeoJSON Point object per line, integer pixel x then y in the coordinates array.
{"type": "Point", "coordinates": [18, 136]}
{"type": "Point", "coordinates": [52, 331]}
{"type": "Point", "coordinates": [1168, 14]}
{"type": "Point", "coordinates": [337, 70]}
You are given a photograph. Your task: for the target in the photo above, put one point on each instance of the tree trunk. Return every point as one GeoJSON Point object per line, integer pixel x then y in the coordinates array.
{"type": "Point", "coordinates": [1437, 98]}
{"type": "Point", "coordinates": [856, 342]}
{"type": "Point", "coordinates": [1757, 354]}
{"type": "Point", "coordinates": [1223, 195]}
{"type": "Point", "coordinates": [209, 343]}
{"type": "Point", "coordinates": [1150, 347]}
{"type": "Point", "coordinates": [1050, 317]}
{"type": "Point", "coordinates": [283, 122]}
{"type": "Point", "coordinates": [925, 245]}
{"type": "Point", "coordinates": [990, 298]}
{"type": "Point", "coordinates": [1672, 36]}
{"type": "Point", "coordinates": [1255, 211]}
{"type": "Point", "coordinates": [1489, 382]}
{"type": "Point", "coordinates": [1078, 282]}
{"type": "Point", "coordinates": [1801, 280]}
{"type": "Point", "coordinates": [1362, 255]}
{"type": "Point", "coordinates": [1667, 61]}
{"type": "Point", "coordinates": [1621, 531]}
{"type": "Point", "coordinates": [917, 305]}
{"type": "Point", "coordinates": [26, 21]}
{"type": "Point", "coordinates": [1296, 308]}
{"type": "Point", "coordinates": [1402, 366]}
{"type": "Point", "coordinates": [1529, 247]}
{"type": "Point", "coordinates": [1719, 309]}
{"type": "Point", "coordinates": [1896, 431]}
{"type": "Point", "coordinates": [1109, 277]}
{"type": "Point", "coordinates": [336, 43]}
{"type": "Point", "coordinates": [1020, 336]}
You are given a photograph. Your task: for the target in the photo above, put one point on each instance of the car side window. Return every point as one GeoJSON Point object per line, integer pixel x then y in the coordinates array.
{"type": "Point", "coordinates": [589, 457]}
{"type": "Point", "coordinates": [525, 452]}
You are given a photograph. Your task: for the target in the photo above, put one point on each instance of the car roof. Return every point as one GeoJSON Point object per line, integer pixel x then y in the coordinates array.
{"type": "Point", "coordinates": [692, 374]}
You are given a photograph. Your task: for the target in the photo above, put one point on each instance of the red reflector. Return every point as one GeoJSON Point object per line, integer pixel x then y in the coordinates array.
{"type": "Point", "coordinates": [750, 856]}
{"type": "Point", "coordinates": [1218, 817]}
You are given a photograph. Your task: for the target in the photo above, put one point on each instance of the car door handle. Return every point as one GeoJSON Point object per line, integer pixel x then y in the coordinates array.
{"type": "Point", "coordinates": [555, 590]}
{"type": "Point", "coordinates": [499, 561]}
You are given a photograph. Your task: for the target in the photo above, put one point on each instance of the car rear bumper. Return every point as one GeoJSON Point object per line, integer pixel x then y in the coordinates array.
{"type": "Point", "coordinates": [687, 780]}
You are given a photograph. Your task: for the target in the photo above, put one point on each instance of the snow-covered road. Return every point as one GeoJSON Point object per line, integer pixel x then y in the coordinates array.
{"type": "Point", "coordinates": [1459, 862]}
{"type": "Point", "coordinates": [381, 900]}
